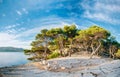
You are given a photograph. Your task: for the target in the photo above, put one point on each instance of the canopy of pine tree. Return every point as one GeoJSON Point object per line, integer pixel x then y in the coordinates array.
{"type": "Point", "coordinates": [58, 42]}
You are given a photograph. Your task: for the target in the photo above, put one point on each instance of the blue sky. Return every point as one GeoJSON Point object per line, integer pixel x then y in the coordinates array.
{"type": "Point", "coordinates": [21, 20]}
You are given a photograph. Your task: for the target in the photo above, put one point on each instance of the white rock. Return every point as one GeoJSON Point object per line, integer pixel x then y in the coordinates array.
{"type": "Point", "coordinates": [45, 67]}
{"type": "Point", "coordinates": [48, 65]}
{"type": "Point", "coordinates": [44, 62]}
{"type": "Point", "coordinates": [62, 68]}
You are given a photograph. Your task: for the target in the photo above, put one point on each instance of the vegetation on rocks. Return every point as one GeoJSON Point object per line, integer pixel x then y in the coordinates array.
{"type": "Point", "coordinates": [69, 40]}
{"type": "Point", "coordinates": [53, 55]}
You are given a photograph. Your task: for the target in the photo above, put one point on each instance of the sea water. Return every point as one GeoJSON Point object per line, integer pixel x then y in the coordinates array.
{"type": "Point", "coordinates": [12, 58]}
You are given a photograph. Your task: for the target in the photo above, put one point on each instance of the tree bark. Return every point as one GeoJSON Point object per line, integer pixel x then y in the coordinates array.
{"type": "Point", "coordinates": [94, 51]}
{"type": "Point", "coordinates": [70, 47]}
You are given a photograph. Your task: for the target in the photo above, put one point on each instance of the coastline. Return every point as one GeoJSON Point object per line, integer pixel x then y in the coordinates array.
{"type": "Point", "coordinates": [64, 67]}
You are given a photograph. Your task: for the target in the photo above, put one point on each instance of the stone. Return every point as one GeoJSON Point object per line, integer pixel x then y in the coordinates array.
{"type": "Point", "coordinates": [92, 68]}
{"type": "Point", "coordinates": [44, 62]}
{"type": "Point", "coordinates": [63, 68]}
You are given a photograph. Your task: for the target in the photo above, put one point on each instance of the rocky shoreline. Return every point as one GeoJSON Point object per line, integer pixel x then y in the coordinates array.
{"type": "Point", "coordinates": [66, 67]}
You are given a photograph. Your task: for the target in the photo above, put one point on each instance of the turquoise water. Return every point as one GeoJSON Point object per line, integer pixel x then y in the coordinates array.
{"type": "Point", "coordinates": [12, 58]}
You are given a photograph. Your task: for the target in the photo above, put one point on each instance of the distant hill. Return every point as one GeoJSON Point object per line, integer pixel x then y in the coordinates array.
{"type": "Point", "coordinates": [10, 49]}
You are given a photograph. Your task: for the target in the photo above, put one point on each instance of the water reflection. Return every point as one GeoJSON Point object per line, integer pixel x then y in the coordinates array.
{"type": "Point", "coordinates": [12, 58]}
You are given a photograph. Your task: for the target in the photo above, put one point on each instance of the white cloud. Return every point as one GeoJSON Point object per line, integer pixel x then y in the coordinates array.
{"type": "Point", "coordinates": [81, 27]}
{"type": "Point", "coordinates": [101, 11]}
{"type": "Point", "coordinates": [10, 29]}
{"type": "Point", "coordinates": [37, 29]}
{"type": "Point", "coordinates": [10, 40]}
{"type": "Point", "coordinates": [101, 17]}
{"type": "Point", "coordinates": [14, 40]}
{"type": "Point", "coordinates": [17, 24]}
{"type": "Point", "coordinates": [108, 7]}
{"type": "Point", "coordinates": [18, 12]}
{"type": "Point", "coordinates": [101, 6]}
{"type": "Point", "coordinates": [10, 26]}
{"type": "Point", "coordinates": [24, 10]}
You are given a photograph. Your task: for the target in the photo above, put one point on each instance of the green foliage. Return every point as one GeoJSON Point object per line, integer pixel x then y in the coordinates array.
{"type": "Point", "coordinates": [94, 40]}
{"type": "Point", "coordinates": [70, 31]}
{"type": "Point", "coordinates": [27, 52]}
{"type": "Point", "coordinates": [54, 32]}
{"type": "Point", "coordinates": [94, 31]}
{"type": "Point", "coordinates": [53, 55]}
{"type": "Point", "coordinates": [118, 54]}
{"type": "Point", "coordinates": [31, 58]}
{"type": "Point", "coordinates": [44, 31]}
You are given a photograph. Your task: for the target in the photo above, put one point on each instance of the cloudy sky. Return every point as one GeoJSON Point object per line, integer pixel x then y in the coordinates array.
{"type": "Point", "coordinates": [20, 20]}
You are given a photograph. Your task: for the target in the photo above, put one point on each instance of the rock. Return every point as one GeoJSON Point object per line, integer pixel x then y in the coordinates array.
{"type": "Point", "coordinates": [1, 75]}
{"type": "Point", "coordinates": [45, 67]}
{"type": "Point", "coordinates": [88, 75]}
{"type": "Point", "coordinates": [55, 62]}
{"type": "Point", "coordinates": [62, 68]}
{"type": "Point", "coordinates": [109, 69]}
{"type": "Point", "coordinates": [44, 62]}
{"type": "Point", "coordinates": [48, 65]}
{"type": "Point", "coordinates": [91, 68]}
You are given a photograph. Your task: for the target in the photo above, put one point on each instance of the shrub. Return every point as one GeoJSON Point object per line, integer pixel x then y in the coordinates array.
{"type": "Point", "coordinates": [53, 55]}
{"type": "Point", "coordinates": [118, 54]}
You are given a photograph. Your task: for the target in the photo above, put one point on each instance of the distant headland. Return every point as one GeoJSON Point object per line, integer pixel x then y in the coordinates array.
{"type": "Point", "coordinates": [10, 49]}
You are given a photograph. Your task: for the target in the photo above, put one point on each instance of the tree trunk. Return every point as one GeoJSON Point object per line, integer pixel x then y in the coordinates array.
{"type": "Point", "coordinates": [45, 53]}
{"type": "Point", "coordinates": [61, 47]}
{"type": "Point", "coordinates": [70, 47]}
{"type": "Point", "coordinates": [94, 51]}
{"type": "Point", "coordinates": [60, 51]}
{"type": "Point", "coordinates": [110, 52]}
{"type": "Point", "coordinates": [69, 51]}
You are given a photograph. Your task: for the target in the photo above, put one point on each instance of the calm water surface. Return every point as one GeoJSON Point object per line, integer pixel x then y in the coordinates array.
{"type": "Point", "coordinates": [12, 58]}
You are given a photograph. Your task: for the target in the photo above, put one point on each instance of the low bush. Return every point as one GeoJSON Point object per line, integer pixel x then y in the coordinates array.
{"type": "Point", "coordinates": [118, 54]}
{"type": "Point", "coordinates": [53, 55]}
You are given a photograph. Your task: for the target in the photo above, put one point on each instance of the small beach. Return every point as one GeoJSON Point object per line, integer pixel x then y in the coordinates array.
{"type": "Point", "coordinates": [66, 67]}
